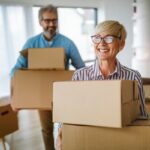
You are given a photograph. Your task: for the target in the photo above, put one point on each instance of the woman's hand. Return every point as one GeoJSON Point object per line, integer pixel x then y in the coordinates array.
{"type": "Point", "coordinates": [59, 140]}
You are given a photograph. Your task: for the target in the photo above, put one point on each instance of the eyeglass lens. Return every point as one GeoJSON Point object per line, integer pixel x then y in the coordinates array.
{"type": "Point", "coordinates": [107, 39]}
{"type": "Point", "coordinates": [47, 21]}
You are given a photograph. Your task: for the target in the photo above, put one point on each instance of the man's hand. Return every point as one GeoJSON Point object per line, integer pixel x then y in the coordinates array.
{"type": "Point", "coordinates": [14, 109]}
{"type": "Point", "coordinates": [11, 95]}
{"type": "Point", "coordinates": [59, 140]}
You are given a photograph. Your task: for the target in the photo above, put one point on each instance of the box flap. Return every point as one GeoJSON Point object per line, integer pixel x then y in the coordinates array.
{"type": "Point", "coordinates": [24, 52]}
{"type": "Point", "coordinates": [8, 120]}
{"type": "Point", "coordinates": [127, 91]}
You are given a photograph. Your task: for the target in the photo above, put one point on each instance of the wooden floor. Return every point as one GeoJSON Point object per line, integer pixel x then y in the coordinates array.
{"type": "Point", "coordinates": [28, 137]}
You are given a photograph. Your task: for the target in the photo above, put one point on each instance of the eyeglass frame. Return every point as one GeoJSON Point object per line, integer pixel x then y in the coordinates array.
{"type": "Point", "coordinates": [47, 20]}
{"type": "Point", "coordinates": [103, 38]}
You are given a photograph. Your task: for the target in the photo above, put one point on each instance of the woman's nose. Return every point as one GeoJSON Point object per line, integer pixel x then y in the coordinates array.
{"type": "Point", "coordinates": [101, 43]}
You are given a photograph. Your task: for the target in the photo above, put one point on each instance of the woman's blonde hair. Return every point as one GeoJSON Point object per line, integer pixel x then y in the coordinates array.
{"type": "Point", "coordinates": [111, 27]}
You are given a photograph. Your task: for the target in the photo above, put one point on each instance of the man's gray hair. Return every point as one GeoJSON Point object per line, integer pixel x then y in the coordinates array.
{"type": "Point", "coordinates": [48, 8]}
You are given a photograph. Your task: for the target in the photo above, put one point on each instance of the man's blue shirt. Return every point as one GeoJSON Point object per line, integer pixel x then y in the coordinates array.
{"type": "Point", "coordinates": [59, 40]}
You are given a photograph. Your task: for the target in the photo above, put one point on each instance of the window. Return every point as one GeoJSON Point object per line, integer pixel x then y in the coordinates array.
{"type": "Point", "coordinates": [12, 31]}
{"type": "Point", "coordinates": [76, 23]}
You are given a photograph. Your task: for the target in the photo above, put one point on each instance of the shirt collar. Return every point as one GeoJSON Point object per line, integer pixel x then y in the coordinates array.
{"type": "Point", "coordinates": [98, 73]}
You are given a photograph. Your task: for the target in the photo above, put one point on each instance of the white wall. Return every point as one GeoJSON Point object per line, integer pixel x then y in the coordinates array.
{"type": "Point", "coordinates": [122, 11]}
{"type": "Point", "coordinates": [73, 3]}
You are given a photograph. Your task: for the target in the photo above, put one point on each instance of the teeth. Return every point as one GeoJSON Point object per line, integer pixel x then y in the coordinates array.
{"type": "Point", "coordinates": [103, 50]}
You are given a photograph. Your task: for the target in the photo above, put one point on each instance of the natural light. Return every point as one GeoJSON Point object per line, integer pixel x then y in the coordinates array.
{"type": "Point", "coordinates": [21, 22]}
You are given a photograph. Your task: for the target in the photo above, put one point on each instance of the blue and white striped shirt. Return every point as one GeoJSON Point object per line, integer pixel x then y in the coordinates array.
{"type": "Point", "coordinates": [121, 73]}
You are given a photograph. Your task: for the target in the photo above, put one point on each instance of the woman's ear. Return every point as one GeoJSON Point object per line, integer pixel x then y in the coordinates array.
{"type": "Point", "coordinates": [122, 44]}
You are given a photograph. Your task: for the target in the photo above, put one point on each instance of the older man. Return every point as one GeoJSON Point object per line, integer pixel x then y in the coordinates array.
{"type": "Point", "coordinates": [48, 20]}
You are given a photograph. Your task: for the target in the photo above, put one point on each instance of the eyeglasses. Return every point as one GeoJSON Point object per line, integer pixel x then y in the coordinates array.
{"type": "Point", "coordinates": [107, 39]}
{"type": "Point", "coordinates": [47, 21]}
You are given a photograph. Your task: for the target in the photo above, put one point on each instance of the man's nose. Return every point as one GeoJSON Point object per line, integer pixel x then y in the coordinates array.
{"type": "Point", "coordinates": [51, 23]}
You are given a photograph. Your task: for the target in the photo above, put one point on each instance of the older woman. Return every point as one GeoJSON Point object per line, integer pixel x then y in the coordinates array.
{"type": "Point", "coordinates": [109, 40]}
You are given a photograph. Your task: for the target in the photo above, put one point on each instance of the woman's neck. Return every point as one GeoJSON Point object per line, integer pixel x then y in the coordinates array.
{"type": "Point", "coordinates": [107, 67]}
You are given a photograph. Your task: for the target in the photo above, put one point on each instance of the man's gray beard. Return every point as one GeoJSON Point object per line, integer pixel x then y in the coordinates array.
{"type": "Point", "coordinates": [48, 34]}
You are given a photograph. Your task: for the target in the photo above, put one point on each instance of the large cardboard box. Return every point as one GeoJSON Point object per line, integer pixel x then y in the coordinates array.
{"type": "Point", "coordinates": [146, 81]}
{"type": "Point", "coordinates": [147, 106]}
{"type": "Point", "coordinates": [33, 89]}
{"type": "Point", "coordinates": [134, 137]}
{"type": "Point", "coordinates": [8, 119]}
{"type": "Point", "coordinates": [147, 92]}
{"type": "Point", "coordinates": [146, 85]}
{"type": "Point", "coordinates": [45, 58]}
{"type": "Point", "coordinates": [99, 103]}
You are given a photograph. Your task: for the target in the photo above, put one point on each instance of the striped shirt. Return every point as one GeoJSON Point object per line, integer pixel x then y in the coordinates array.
{"type": "Point", "coordinates": [121, 73]}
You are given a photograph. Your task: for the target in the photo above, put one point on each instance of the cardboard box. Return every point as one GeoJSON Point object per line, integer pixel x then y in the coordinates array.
{"type": "Point", "coordinates": [136, 91]}
{"type": "Point", "coordinates": [147, 106]}
{"type": "Point", "coordinates": [99, 138]}
{"type": "Point", "coordinates": [146, 81]}
{"type": "Point", "coordinates": [45, 58]}
{"type": "Point", "coordinates": [147, 92]}
{"type": "Point", "coordinates": [8, 119]}
{"type": "Point", "coordinates": [32, 89]}
{"type": "Point", "coordinates": [146, 85]}
{"type": "Point", "coordinates": [110, 103]}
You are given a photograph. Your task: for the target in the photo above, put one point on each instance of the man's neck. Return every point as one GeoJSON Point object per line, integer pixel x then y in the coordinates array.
{"type": "Point", "coordinates": [48, 37]}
